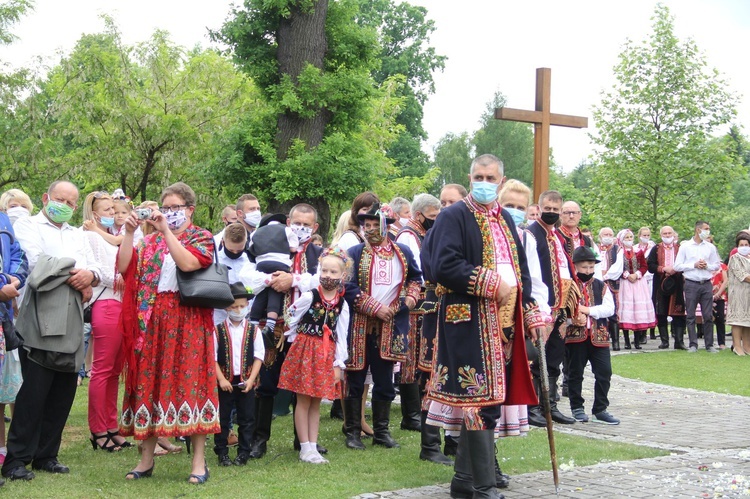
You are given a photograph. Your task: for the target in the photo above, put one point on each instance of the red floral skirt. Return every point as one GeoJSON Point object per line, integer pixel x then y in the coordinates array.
{"type": "Point", "coordinates": [175, 392]}
{"type": "Point", "coordinates": [306, 371]}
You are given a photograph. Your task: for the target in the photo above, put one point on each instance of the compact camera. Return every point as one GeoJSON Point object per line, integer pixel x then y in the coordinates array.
{"type": "Point", "coordinates": [143, 213]}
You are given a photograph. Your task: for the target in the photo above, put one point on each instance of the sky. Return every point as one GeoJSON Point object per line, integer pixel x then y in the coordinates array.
{"type": "Point", "coordinates": [491, 45]}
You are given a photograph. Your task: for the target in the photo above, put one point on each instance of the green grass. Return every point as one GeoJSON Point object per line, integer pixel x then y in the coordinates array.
{"type": "Point", "coordinates": [280, 474]}
{"type": "Point", "coordinates": [721, 373]}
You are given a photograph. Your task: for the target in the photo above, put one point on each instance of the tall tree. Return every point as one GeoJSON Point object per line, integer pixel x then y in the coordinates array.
{"type": "Point", "coordinates": [453, 155]}
{"type": "Point", "coordinates": [329, 124]}
{"type": "Point", "coordinates": [139, 117]}
{"type": "Point", "coordinates": [656, 162]}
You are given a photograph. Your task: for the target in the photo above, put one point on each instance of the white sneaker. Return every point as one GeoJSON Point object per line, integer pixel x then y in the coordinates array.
{"type": "Point", "coordinates": [308, 456]}
{"type": "Point", "coordinates": [692, 350]}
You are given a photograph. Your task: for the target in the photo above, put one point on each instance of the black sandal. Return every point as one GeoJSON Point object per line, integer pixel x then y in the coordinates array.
{"type": "Point", "coordinates": [137, 475]}
{"type": "Point", "coordinates": [200, 479]}
{"type": "Point", "coordinates": [124, 445]}
{"type": "Point", "coordinates": [108, 439]}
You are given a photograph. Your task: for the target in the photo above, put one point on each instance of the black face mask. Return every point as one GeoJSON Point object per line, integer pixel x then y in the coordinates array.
{"type": "Point", "coordinates": [549, 218]}
{"type": "Point", "coordinates": [584, 277]}
{"type": "Point", "coordinates": [428, 223]}
{"type": "Point", "coordinates": [232, 254]}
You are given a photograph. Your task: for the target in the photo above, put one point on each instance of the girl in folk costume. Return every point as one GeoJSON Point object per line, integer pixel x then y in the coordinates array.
{"type": "Point", "coordinates": [318, 324]}
{"type": "Point", "coordinates": [644, 244]}
{"type": "Point", "coordinates": [636, 310]}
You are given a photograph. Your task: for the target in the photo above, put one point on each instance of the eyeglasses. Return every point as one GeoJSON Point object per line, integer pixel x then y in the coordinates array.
{"type": "Point", "coordinates": [174, 208]}
{"type": "Point", "coordinates": [571, 213]}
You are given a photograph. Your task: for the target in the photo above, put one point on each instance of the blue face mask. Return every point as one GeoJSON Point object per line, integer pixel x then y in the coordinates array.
{"type": "Point", "coordinates": [517, 215]}
{"type": "Point", "coordinates": [107, 221]}
{"type": "Point", "coordinates": [484, 192]}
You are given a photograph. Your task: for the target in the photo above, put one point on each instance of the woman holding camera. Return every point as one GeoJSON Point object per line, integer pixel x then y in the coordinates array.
{"type": "Point", "coordinates": [106, 331]}
{"type": "Point", "coordinates": [171, 386]}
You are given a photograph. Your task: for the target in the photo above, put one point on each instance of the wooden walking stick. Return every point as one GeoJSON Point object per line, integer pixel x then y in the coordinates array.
{"type": "Point", "coordinates": [547, 411]}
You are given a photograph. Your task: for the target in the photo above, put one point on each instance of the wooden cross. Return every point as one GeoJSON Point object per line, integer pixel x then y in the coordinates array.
{"type": "Point", "coordinates": [542, 119]}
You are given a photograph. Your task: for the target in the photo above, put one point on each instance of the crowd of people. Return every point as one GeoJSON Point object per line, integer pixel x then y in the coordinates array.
{"type": "Point", "coordinates": [446, 302]}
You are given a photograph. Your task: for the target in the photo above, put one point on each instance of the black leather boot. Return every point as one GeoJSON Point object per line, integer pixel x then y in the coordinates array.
{"type": "Point", "coordinates": [381, 416]}
{"type": "Point", "coordinates": [664, 337]}
{"type": "Point", "coordinates": [637, 339]}
{"type": "Point", "coordinates": [502, 479]}
{"type": "Point", "coordinates": [337, 412]}
{"type": "Point", "coordinates": [353, 423]}
{"type": "Point", "coordinates": [557, 416]}
{"type": "Point", "coordinates": [679, 337]}
{"type": "Point", "coordinates": [461, 483]}
{"type": "Point", "coordinates": [626, 338]}
{"type": "Point", "coordinates": [536, 413]}
{"type": "Point", "coordinates": [451, 445]}
{"type": "Point", "coordinates": [263, 418]}
{"type": "Point", "coordinates": [430, 450]}
{"type": "Point", "coordinates": [652, 334]}
{"type": "Point", "coordinates": [614, 335]}
{"type": "Point", "coordinates": [411, 405]}
{"type": "Point", "coordinates": [481, 445]}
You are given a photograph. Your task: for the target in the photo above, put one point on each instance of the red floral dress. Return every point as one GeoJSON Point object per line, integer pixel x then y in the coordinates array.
{"type": "Point", "coordinates": [171, 383]}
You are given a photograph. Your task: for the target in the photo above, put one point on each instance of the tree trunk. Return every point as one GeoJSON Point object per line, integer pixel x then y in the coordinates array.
{"type": "Point", "coordinates": [301, 41]}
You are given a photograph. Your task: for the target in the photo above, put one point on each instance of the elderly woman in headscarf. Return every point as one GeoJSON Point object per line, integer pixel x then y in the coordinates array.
{"type": "Point", "coordinates": [636, 310]}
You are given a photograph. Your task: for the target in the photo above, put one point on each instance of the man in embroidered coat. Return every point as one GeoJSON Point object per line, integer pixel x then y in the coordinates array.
{"type": "Point", "coordinates": [611, 269]}
{"type": "Point", "coordinates": [557, 273]}
{"type": "Point", "coordinates": [383, 272]}
{"type": "Point", "coordinates": [587, 339]}
{"type": "Point", "coordinates": [301, 279]}
{"type": "Point", "coordinates": [669, 300]}
{"type": "Point", "coordinates": [485, 301]}
{"type": "Point", "coordinates": [424, 211]}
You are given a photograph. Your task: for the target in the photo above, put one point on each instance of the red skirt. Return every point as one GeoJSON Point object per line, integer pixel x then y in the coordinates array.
{"type": "Point", "coordinates": [305, 370]}
{"type": "Point", "coordinates": [175, 392]}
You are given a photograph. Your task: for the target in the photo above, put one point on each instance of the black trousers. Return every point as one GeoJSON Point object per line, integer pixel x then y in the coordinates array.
{"type": "Point", "coordinates": [382, 373]}
{"type": "Point", "coordinates": [42, 407]}
{"type": "Point", "coordinates": [555, 352]}
{"type": "Point", "coordinates": [579, 354]}
{"type": "Point", "coordinates": [245, 405]}
{"type": "Point", "coordinates": [268, 300]}
{"type": "Point", "coordinates": [720, 321]}
{"type": "Point", "coordinates": [269, 376]}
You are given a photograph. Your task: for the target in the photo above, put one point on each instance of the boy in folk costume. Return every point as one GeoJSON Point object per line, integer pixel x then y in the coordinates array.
{"type": "Point", "coordinates": [383, 272]}
{"type": "Point", "coordinates": [587, 339]}
{"type": "Point", "coordinates": [239, 355]}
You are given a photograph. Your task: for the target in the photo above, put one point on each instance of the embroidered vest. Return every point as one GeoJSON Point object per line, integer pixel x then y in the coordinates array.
{"type": "Point", "coordinates": [318, 315]}
{"type": "Point", "coordinates": [592, 291]}
{"type": "Point", "coordinates": [224, 351]}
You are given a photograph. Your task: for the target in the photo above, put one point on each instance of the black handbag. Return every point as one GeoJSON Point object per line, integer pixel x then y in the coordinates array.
{"type": "Point", "coordinates": [208, 288]}
{"type": "Point", "coordinates": [89, 307]}
{"type": "Point", "coordinates": [12, 339]}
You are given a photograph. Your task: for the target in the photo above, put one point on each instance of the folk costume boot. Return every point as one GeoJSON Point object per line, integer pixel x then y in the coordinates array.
{"type": "Point", "coordinates": [664, 337]}
{"type": "Point", "coordinates": [481, 445]}
{"type": "Point", "coordinates": [557, 416]}
{"type": "Point", "coordinates": [652, 334]}
{"type": "Point", "coordinates": [536, 413]}
{"type": "Point", "coordinates": [353, 423]}
{"type": "Point", "coordinates": [637, 339]}
{"type": "Point", "coordinates": [263, 418]}
{"type": "Point", "coordinates": [337, 412]}
{"type": "Point", "coordinates": [679, 337]}
{"type": "Point", "coordinates": [381, 417]}
{"type": "Point", "coordinates": [614, 335]}
{"type": "Point", "coordinates": [431, 443]}
{"type": "Point", "coordinates": [451, 444]}
{"type": "Point", "coordinates": [502, 479]}
{"type": "Point", "coordinates": [462, 483]}
{"type": "Point", "coordinates": [411, 405]}
{"type": "Point", "coordinates": [626, 338]}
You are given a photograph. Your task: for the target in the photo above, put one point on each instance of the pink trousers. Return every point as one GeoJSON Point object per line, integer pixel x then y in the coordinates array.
{"type": "Point", "coordinates": [106, 366]}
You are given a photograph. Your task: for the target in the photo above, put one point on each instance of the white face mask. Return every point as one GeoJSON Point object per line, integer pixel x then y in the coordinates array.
{"type": "Point", "coordinates": [627, 244]}
{"type": "Point", "coordinates": [743, 250]}
{"type": "Point", "coordinates": [403, 221]}
{"type": "Point", "coordinates": [17, 212]}
{"type": "Point", "coordinates": [607, 240]}
{"type": "Point", "coordinates": [667, 240]}
{"type": "Point", "coordinates": [253, 218]}
{"type": "Point", "coordinates": [704, 234]}
{"type": "Point", "coordinates": [645, 240]}
{"type": "Point", "coordinates": [237, 315]}
{"type": "Point", "coordinates": [303, 233]}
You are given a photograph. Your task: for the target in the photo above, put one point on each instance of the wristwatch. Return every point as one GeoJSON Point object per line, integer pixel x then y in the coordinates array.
{"type": "Point", "coordinates": [96, 280]}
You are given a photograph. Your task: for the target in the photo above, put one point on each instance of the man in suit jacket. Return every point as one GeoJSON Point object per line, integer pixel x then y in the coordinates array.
{"type": "Point", "coordinates": [46, 396]}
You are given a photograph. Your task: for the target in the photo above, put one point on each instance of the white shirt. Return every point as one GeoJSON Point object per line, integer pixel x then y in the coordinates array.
{"type": "Point", "coordinates": [283, 258]}
{"type": "Point", "coordinates": [409, 239]}
{"type": "Point", "coordinates": [105, 255]}
{"type": "Point", "coordinates": [348, 240]}
{"type": "Point", "coordinates": [236, 333]}
{"type": "Point", "coordinates": [539, 290]}
{"type": "Point", "coordinates": [387, 274]}
{"type": "Point", "coordinates": [690, 252]}
{"type": "Point", "coordinates": [38, 236]}
{"type": "Point", "coordinates": [615, 269]}
{"type": "Point", "coordinates": [258, 281]}
{"type": "Point", "coordinates": [300, 307]}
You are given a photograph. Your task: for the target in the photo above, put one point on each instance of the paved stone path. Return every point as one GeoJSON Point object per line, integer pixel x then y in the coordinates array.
{"type": "Point", "coordinates": [706, 460]}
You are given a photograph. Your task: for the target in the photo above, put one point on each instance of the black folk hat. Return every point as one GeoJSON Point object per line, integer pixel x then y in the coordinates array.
{"type": "Point", "coordinates": [374, 213]}
{"type": "Point", "coordinates": [240, 291]}
{"type": "Point", "coordinates": [272, 217]}
{"type": "Point", "coordinates": [584, 254]}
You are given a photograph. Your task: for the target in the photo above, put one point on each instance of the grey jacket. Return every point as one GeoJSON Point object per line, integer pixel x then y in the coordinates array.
{"type": "Point", "coordinates": [51, 314]}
